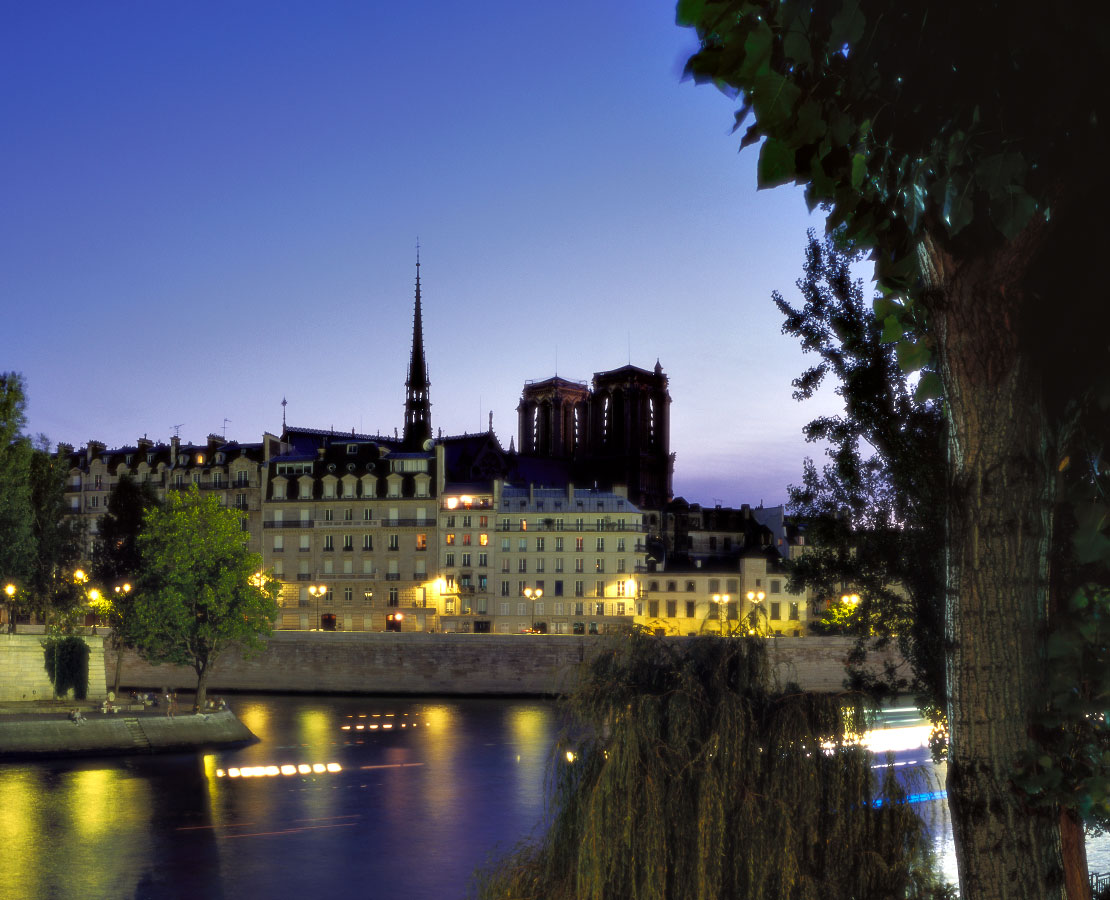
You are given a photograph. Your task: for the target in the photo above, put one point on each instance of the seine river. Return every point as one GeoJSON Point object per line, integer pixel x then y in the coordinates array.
{"type": "Point", "coordinates": [343, 797]}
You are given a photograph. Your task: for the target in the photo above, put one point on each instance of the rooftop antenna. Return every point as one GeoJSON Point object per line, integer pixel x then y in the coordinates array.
{"type": "Point", "coordinates": [177, 430]}
{"type": "Point", "coordinates": [226, 420]}
{"type": "Point", "coordinates": [284, 403]}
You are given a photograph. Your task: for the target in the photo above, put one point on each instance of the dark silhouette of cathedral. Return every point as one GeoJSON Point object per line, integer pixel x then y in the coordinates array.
{"type": "Point", "coordinates": [613, 432]}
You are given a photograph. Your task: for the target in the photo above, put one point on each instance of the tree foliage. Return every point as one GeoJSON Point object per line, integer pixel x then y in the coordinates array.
{"type": "Point", "coordinates": [692, 777]}
{"type": "Point", "coordinates": [16, 539]}
{"type": "Point", "coordinates": [961, 145]}
{"type": "Point", "coordinates": [200, 590]}
{"type": "Point", "coordinates": [55, 596]}
{"type": "Point", "coordinates": [875, 511]}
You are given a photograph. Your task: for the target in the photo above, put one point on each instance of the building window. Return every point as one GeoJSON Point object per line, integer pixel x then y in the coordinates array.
{"type": "Point", "coordinates": [558, 589]}
{"type": "Point", "coordinates": [450, 539]}
{"type": "Point", "coordinates": [328, 515]}
{"type": "Point", "coordinates": [367, 542]}
{"type": "Point", "coordinates": [304, 542]}
{"type": "Point", "coordinates": [776, 586]}
{"type": "Point", "coordinates": [776, 611]}
{"type": "Point", "coordinates": [599, 588]}
{"type": "Point", "coordinates": [483, 540]}
{"type": "Point", "coordinates": [691, 587]}
{"type": "Point", "coordinates": [522, 565]}
{"type": "Point", "coordinates": [348, 514]}
{"type": "Point", "coordinates": [539, 545]}
{"type": "Point", "coordinates": [450, 559]}
{"type": "Point", "coordinates": [690, 609]}
{"type": "Point", "coordinates": [620, 545]}
{"type": "Point", "coordinates": [794, 611]}
{"type": "Point", "coordinates": [504, 565]}
{"type": "Point", "coordinates": [653, 609]}
{"type": "Point", "coordinates": [503, 608]}
{"type": "Point", "coordinates": [504, 589]}
{"type": "Point", "coordinates": [522, 545]}
{"type": "Point", "coordinates": [348, 542]}
{"type": "Point", "coordinates": [672, 609]}
{"type": "Point", "coordinates": [483, 560]}
{"type": "Point", "coordinates": [599, 609]}
{"type": "Point", "coordinates": [422, 542]}
{"type": "Point", "coordinates": [714, 585]}
{"type": "Point", "coordinates": [450, 522]}
{"type": "Point", "coordinates": [578, 544]}
{"type": "Point", "coordinates": [620, 565]}
{"type": "Point", "coordinates": [504, 545]}
{"type": "Point", "coordinates": [279, 543]}
{"type": "Point", "coordinates": [394, 597]}
{"type": "Point", "coordinates": [579, 565]}
{"type": "Point", "coordinates": [466, 560]}
{"type": "Point", "coordinates": [466, 540]}
{"type": "Point", "coordinates": [394, 542]}
{"type": "Point", "coordinates": [559, 564]}
{"type": "Point", "coordinates": [522, 609]}
{"type": "Point", "coordinates": [599, 565]}
{"type": "Point", "coordinates": [579, 589]}
{"type": "Point", "coordinates": [328, 542]}
{"type": "Point", "coordinates": [539, 564]}
{"type": "Point", "coordinates": [348, 595]}
{"type": "Point", "coordinates": [558, 545]}
{"type": "Point", "coordinates": [601, 545]}
{"type": "Point", "coordinates": [367, 514]}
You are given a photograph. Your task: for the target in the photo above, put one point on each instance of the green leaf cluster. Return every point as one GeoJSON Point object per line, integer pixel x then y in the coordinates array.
{"type": "Point", "coordinates": [67, 665]}
{"type": "Point", "coordinates": [199, 589]}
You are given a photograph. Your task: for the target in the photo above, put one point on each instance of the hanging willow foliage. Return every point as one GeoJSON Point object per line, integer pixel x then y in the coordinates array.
{"type": "Point", "coordinates": [691, 778]}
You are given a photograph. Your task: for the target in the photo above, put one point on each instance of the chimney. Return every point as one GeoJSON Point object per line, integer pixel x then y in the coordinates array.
{"type": "Point", "coordinates": [175, 447]}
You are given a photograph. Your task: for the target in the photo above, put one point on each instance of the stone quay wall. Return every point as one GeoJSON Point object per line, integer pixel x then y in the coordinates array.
{"type": "Point", "coordinates": [23, 668]}
{"type": "Point", "coordinates": [56, 735]}
{"type": "Point", "coordinates": [449, 664]}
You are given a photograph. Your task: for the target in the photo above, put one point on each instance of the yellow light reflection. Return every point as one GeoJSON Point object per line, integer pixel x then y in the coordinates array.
{"type": "Point", "coordinates": [256, 717]}
{"type": "Point", "coordinates": [316, 727]}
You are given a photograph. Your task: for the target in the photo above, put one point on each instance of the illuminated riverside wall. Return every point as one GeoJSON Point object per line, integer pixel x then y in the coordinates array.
{"type": "Point", "coordinates": [23, 668]}
{"type": "Point", "coordinates": [445, 664]}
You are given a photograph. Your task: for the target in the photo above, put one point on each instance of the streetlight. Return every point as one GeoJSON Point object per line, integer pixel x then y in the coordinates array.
{"type": "Point", "coordinates": [318, 591]}
{"type": "Point", "coordinates": [754, 597]}
{"type": "Point", "coordinates": [722, 601]}
{"type": "Point", "coordinates": [9, 589]}
{"type": "Point", "coordinates": [533, 594]}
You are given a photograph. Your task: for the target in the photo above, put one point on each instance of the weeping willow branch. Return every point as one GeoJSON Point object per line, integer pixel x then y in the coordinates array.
{"type": "Point", "coordinates": [692, 778]}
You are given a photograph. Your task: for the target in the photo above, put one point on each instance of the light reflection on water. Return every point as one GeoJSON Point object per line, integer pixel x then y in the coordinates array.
{"type": "Point", "coordinates": [410, 813]}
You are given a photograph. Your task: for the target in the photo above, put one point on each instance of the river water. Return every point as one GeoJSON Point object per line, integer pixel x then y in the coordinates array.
{"type": "Point", "coordinates": [342, 797]}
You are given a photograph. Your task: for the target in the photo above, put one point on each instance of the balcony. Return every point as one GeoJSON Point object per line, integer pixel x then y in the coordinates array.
{"type": "Point", "coordinates": [307, 523]}
{"type": "Point", "coordinates": [407, 523]}
{"type": "Point", "coordinates": [348, 523]}
{"type": "Point", "coordinates": [392, 576]}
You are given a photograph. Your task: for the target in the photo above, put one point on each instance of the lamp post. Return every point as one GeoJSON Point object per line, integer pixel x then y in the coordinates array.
{"type": "Point", "coordinates": [318, 591]}
{"type": "Point", "coordinates": [9, 592]}
{"type": "Point", "coordinates": [754, 597]}
{"type": "Point", "coordinates": [533, 594]}
{"type": "Point", "coordinates": [722, 601]}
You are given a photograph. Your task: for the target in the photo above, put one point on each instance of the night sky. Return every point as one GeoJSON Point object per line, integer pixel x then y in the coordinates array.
{"type": "Point", "coordinates": [209, 206]}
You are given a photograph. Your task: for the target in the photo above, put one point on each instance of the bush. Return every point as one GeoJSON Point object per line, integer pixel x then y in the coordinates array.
{"type": "Point", "coordinates": [67, 665]}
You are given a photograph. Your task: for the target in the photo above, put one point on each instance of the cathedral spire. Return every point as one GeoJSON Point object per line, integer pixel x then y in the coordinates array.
{"type": "Point", "coordinates": [418, 418]}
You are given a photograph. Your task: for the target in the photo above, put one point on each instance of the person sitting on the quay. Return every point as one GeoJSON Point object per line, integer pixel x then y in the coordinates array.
{"type": "Point", "coordinates": [76, 717]}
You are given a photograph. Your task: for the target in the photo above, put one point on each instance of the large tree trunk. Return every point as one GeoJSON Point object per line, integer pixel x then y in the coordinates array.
{"type": "Point", "coordinates": [1001, 490]}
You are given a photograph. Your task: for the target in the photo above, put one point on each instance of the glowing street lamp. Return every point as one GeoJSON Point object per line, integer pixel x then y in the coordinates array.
{"type": "Point", "coordinates": [533, 594]}
{"type": "Point", "coordinates": [754, 597]}
{"type": "Point", "coordinates": [318, 591]}
{"type": "Point", "coordinates": [722, 601]}
{"type": "Point", "coordinates": [9, 591]}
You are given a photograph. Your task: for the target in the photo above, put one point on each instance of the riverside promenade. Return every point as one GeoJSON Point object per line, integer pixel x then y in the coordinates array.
{"type": "Point", "coordinates": [44, 729]}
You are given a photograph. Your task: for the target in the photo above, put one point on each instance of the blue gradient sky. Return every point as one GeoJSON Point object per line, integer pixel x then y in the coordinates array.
{"type": "Point", "coordinates": [208, 206]}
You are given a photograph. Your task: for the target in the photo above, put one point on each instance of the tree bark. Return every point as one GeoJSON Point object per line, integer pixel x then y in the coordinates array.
{"type": "Point", "coordinates": [202, 687]}
{"type": "Point", "coordinates": [1001, 484]}
{"type": "Point", "coordinates": [119, 665]}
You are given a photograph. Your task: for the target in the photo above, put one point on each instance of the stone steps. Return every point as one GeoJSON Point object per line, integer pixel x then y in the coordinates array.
{"type": "Point", "coordinates": [142, 742]}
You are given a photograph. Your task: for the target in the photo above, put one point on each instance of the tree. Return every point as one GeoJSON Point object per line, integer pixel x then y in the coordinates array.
{"type": "Point", "coordinates": [687, 776]}
{"type": "Point", "coordinates": [55, 595]}
{"type": "Point", "coordinates": [961, 145]}
{"type": "Point", "coordinates": [875, 512]}
{"type": "Point", "coordinates": [116, 560]}
{"type": "Point", "coordinates": [16, 539]}
{"type": "Point", "coordinates": [199, 589]}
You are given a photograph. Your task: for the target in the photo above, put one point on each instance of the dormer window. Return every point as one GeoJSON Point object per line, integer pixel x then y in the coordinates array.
{"type": "Point", "coordinates": [150, 458]}
{"type": "Point", "coordinates": [352, 449]}
{"type": "Point", "coordinates": [127, 459]}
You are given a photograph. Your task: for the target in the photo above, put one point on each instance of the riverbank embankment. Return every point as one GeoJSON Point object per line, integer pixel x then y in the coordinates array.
{"type": "Point", "coordinates": [36, 730]}
{"type": "Point", "coordinates": [323, 662]}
